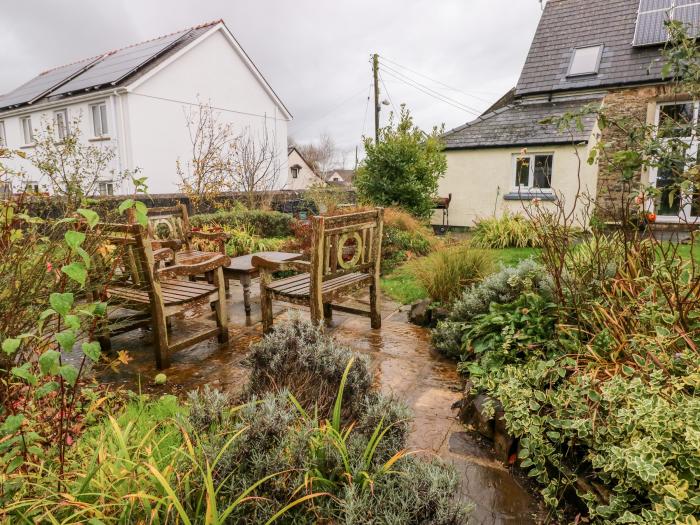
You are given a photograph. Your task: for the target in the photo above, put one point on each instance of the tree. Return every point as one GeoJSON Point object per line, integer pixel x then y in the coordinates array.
{"type": "Point", "coordinates": [207, 173]}
{"type": "Point", "coordinates": [322, 156]}
{"type": "Point", "coordinates": [255, 167]}
{"type": "Point", "coordinates": [74, 168]}
{"type": "Point", "coordinates": [404, 167]}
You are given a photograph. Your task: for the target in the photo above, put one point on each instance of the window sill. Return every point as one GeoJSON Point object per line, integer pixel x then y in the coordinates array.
{"type": "Point", "coordinates": [28, 146]}
{"type": "Point", "coordinates": [529, 195]}
{"type": "Point", "coordinates": [100, 139]}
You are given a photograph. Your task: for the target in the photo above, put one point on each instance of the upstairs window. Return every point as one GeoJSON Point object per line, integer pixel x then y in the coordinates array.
{"type": "Point", "coordinates": [533, 172]}
{"type": "Point", "coordinates": [3, 137]}
{"type": "Point", "coordinates": [100, 126]}
{"type": "Point", "coordinates": [5, 189]}
{"type": "Point", "coordinates": [585, 61]}
{"type": "Point", "coordinates": [31, 187]}
{"type": "Point", "coordinates": [61, 122]}
{"type": "Point", "coordinates": [295, 171]}
{"type": "Point", "coordinates": [27, 131]}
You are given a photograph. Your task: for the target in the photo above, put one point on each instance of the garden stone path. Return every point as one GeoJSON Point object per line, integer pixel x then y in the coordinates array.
{"type": "Point", "coordinates": [405, 366]}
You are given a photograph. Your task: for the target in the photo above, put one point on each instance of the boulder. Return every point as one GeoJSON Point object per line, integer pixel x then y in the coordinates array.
{"type": "Point", "coordinates": [420, 313]}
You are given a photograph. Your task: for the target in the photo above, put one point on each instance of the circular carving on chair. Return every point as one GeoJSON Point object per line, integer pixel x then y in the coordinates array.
{"type": "Point", "coordinates": [163, 230]}
{"type": "Point", "coordinates": [349, 250]}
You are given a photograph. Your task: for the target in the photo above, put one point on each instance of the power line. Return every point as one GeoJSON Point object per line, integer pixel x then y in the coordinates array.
{"type": "Point", "coordinates": [335, 108]}
{"type": "Point", "coordinates": [433, 95]}
{"type": "Point", "coordinates": [467, 92]}
{"type": "Point", "coordinates": [387, 93]}
{"type": "Point", "coordinates": [442, 95]}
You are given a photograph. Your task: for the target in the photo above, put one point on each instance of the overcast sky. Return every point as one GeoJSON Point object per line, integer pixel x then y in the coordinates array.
{"type": "Point", "coordinates": [314, 53]}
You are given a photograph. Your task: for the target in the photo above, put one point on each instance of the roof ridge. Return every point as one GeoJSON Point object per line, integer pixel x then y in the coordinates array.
{"type": "Point", "coordinates": [111, 52]}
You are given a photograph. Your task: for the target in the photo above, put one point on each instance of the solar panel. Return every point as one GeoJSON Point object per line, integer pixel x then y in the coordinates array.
{"type": "Point", "coordinates": [653, 14]}
{"type": "Point", "coordinates": [42, 84]}
{"type": "Point", "coordinates": [119, 64]}
{"type": "Point", "coordinates": [689, 15]}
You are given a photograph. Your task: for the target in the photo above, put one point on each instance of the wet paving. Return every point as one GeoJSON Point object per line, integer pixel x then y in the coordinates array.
{"type": "Point", "coordinates": [405, 366]}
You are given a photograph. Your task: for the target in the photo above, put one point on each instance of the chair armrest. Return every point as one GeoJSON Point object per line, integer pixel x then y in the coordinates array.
{"type": "Point", "coordinates": [216, 261]}
{"type": "Point", "coordinates": [163, 254]}
{"type": "Point", "coordinates": [173, 244]}
{"type": "Point", "coordinates": [267, 265]}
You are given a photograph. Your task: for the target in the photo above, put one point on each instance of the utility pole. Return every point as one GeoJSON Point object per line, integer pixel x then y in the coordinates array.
{"type": "Point", "coordinates": [377, 107]}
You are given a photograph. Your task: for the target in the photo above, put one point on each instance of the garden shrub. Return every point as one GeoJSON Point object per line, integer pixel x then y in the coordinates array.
{"type": "Point", "coordinates": [404, 238]}
{"type": "Point", "coordinates": [507, 231]}
{"type": "Point", "coordinates": [242, 242]}
{"type": "Point", "coordinates": [502, 287]}
{"type": "Point", "coordinates": [445, 273]}
{"type": "Point", "coordinates": [301, 358]}
{"type": "Point", "coordinates": [258, 222]}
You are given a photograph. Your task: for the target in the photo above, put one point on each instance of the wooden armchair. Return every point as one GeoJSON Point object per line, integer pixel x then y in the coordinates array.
{"type": "Point", "coordinates": [345, 257]}
{"type": "Point", "coordinates": [171, 229]}
{"type": "Point", "coordinates": [136, 282]}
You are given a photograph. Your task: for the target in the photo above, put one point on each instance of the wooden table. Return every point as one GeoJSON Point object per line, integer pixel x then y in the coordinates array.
{"type": "Point", "coordinates": [242, 269]}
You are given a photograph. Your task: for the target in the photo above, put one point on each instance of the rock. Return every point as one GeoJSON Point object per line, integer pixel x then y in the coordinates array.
{"type": "Point", "coordinates": [420, 313]}
{"type": "Point", "coordinates": [503, 443]}
{"type": "Point", "coordinates": [473, 414]}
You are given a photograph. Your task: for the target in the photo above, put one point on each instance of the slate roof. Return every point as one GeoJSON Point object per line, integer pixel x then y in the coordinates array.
{"type": "Point", "coordinates": [518, 124]}
{"type": "Point", "coordinates": [180, 39]}
{"type": "Point", "coordinates": [569, 24]}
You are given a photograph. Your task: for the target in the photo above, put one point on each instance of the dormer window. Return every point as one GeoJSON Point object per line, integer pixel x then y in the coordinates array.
{"type": "Point", "coordinates": [295, 171]}
{"type": "Point", "coordinates": [585, 61]}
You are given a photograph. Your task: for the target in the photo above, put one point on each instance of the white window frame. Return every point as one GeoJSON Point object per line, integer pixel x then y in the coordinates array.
{"type": "Point", "coordinates": [31, 186]}
{"type": "Point", "coordinates": [5, 189]}
{"type": "Point", "coordinates": [25, 124]}
{"type": "Point", "coordinates": [108, 186]}
{"type": "Point", "coordinates": [3, 135]}
{"type": "Point", "coordinates": [62, 130]}
{"type": "Point", "coordinates": [100, 128]}
{"type": "Point", "coordinates": [531, 173]}
{"type": "Point", "coordinates": [686, 205]}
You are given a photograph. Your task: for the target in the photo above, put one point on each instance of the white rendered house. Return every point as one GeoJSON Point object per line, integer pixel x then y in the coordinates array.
{"type": "Point", "coordinates": [301, 175]}
{"type": "Point", "coordinates": [134, 100]}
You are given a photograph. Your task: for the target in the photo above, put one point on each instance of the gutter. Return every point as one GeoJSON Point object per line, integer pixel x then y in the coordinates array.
{"type": "Point", "coordinates": [74, 99]}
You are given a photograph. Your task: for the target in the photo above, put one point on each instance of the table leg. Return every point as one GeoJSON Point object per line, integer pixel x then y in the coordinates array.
{"type": "Point", "coordinates": [245, 282]}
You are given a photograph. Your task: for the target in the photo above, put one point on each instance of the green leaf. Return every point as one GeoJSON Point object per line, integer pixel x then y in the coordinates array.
{"type": "Point", "coordinates": [48, 362]}
{"type": "Point", "coordinates": [90, 216]}
{"type": "Point", "coordinates": [85, 256]}
{"type": "Point", "coordinates": [45, 389]}
{"type": "Point", "coordinates": [92, 350]}
{"type": "Point", "coordinates": [46, 313]}
{"type": "Point", "coordinates": [69, 373]}
{"type": "Point", "coordinates": [73, 321]}
{"type": "Point", "coordinates": [60, 302]}
{"type": "Point", "coordinates": [125, 205]}
{"type": "Point", "coordinates": [74, 239]}
{"type": "Point", "coordinates": [23, 373]}
{"type": "Point", "coordinates": [142, 218]}
{"type": "Point", "coordinates": [140, 207]}
{"type": "Point", "coordinates": [66, 339]}
{"type": "Point", "coordinates": [12, 424]}
{"type": "Point", "coordinates": [76, 271]}
{"type": "Point", "coordinates": [10, 346]}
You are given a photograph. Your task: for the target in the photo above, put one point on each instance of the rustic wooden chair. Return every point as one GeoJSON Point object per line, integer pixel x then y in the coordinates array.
{"type": "Point", "coordinates": [138, 283]}
{"type": "Point", "coordinates": [171, 229]}
{"type": "Point", "coordinates": [345, 257]}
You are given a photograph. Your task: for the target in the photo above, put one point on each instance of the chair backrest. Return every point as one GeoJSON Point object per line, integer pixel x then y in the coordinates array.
{"type": "Point", "coordinates": [124, 257]}
{"type": "Point", "coordinates": [170, 223]}
{"type": "Point", "coordinates": [344, 244]}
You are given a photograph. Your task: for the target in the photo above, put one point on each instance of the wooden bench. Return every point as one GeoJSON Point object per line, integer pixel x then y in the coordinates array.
{"type": "Point", "coordinates": [138, 283]}
{"type": "Point", "coordinates": [345, 257]}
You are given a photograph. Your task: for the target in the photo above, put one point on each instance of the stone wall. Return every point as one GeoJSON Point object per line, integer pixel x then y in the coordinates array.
{"type": "Point", "coordinates": [638, 105]}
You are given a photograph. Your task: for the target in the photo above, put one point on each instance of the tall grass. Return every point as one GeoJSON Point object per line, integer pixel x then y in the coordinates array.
{"type": "Point", "coordinates": [445, 273]}
{"type": "Point", "coordinates": [507, 231]}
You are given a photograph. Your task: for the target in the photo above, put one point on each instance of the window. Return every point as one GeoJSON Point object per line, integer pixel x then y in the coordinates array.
{"type": "Point", "coordinates": [5, 190]}
{"type": "Point", "coordinates": [99, 119]}
{"type": "Point", "coordinates": [585, 61]}
{"type": "Point", "coordinates": [3, 138]}
{"type": "Point", "coordinates": [295, 171]}
{"type": "Point", "coordinates": [31, 187]}
{"type": "Point", "coordinates": [27, 131]}
{"type": "Point", "coordinates": [533, 172]}
{"type": "Point", "coordinates": [105, 187]}
{"type": "Point", "coordinates": [61, 122]}
{"type": "Point", "coordinates": [676, 125]}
